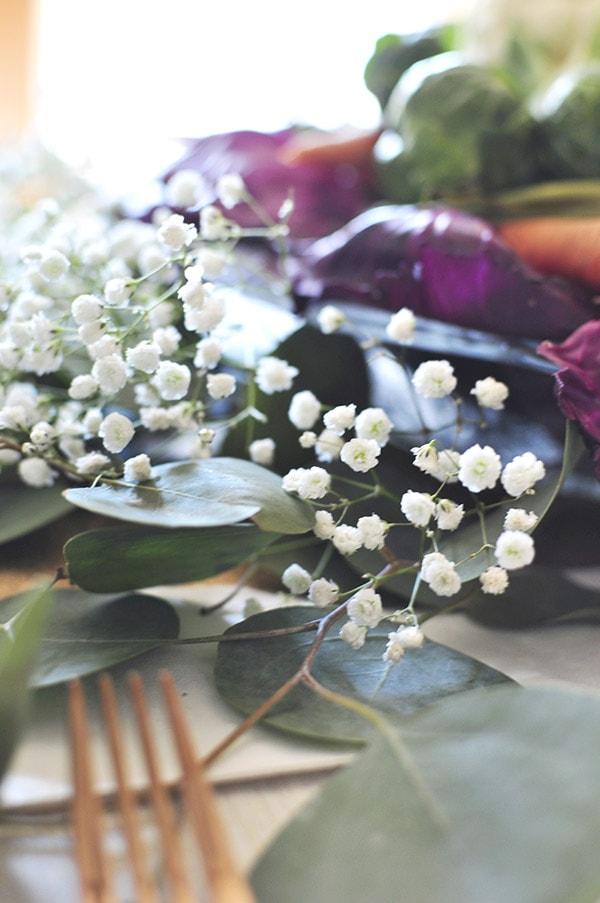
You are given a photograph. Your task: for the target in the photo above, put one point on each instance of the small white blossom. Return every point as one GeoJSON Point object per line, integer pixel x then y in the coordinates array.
{"type": "Point", "coordinates": [175, 233]}
{"type": "Point", "coordinates": [328, 446]}
{"type": "Point", "coordinates": [521, 474]}
{"type": "Point", "coordinates": [354, 635]}
{"type": "Point", "coordinates": [417, 507]}
{"type": "Point", "coordinates": [42, 435]}
{"type": "Point", "coordinates": [110, 372]}
{"type": "Point", "coordinates": [441, 574]}
{"type": "Point", "coordinates": [86, 309]}
{"type": "Point", "coordinates": [304, 409]}
{"type": "Point", "coordinates": [116, 431]}
{"type": "Point", "coordinates": [401, 326]}
{"type": "Point", "coordinates": [408, 636]}
{"type": "Point", "coordinates": [92, 463]}
{"type": "Point", "coordinates": [53, 265]}
{"type": "Point", "coordinates": [313, 483]}
{"type": "Point", "coordinates": [106, 345]}
{"type": "Point", "coordinates": [323, 592]}
{"type": "Point", "coordinates": [514, 549]}
{"type": "Point", "coordinates": [324, 526]}
{"type": "Point", "coordinates": [330, 318]}
{"type": "Point", "coordinates": [373, 423]}
{"type": "Point", "coordinates": [448, 514]}
{"type": "Point", "coordinates": [213, 225]}
{"type": "Point", "coordinates": [274, 375]}
{"type": "Point", "coordinates": [519, 519]}
{"type": "Point", "coordinates": [137, 469]}
{"type": "Point", "coordinates": [230, 189]}
{"type": "Point", "coordinates": [206, 317]}
{"type": "Point", "coordinates": [360, 455]}
{"type": "Point", "coordinates": [490, 393]}
{"type": "Point", "coordinates": [434, 379]}
{"type": "Point", "coordinates": [347, 539]}
{"type": "Point", "coordinates": [144, 356]}
{"type": "Point", "coordinates": [365, 608]}
{"type": "Point", "coordinates": [372, 531]}
{"type": "Point", "coordinates": [208, 353]}
{"type": "Point", "coordinates": [340, 418]}
{"type": "Point", "coordinates": [184, 188]}
{"type": "Point", "coordinates": [117, 292]}
{"type": "Point", "coordinates": [36, 472]}
{"type": "Point", "coordinates": [220, 385]}
{"type": "Point", "coordinates": [307, 439]}
{"type": "Point", "coordinates": [494, 580]}
{"type": "Point", "coordinates": [212, 262]}
{"type": "Point", "coordinates": [172, 380]}
{"type": "Point", "coordinates": [479, 468]}
{"type": "Point", "coordinates": [91, 333]}
{"type": "Point", "coordinates": [291, 480]}
{"type": "Point", "coordinates": [296, 579]}
{"type": "Point", "coordinates": [167, 338]}
{"type": "Point", "coordinates": [262, 451]}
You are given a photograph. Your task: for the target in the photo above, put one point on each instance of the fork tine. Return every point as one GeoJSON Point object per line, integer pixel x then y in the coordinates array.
{"type": "Point", "coordinates": [91, 857]}
{"type": "Point", "coordinates": [225, 882]}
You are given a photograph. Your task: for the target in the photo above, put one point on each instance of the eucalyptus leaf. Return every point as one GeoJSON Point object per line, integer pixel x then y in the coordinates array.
{"type": "Point", "coordinates": [205, 493]}
{"type": "Point", "coordinates": [112, 560]}
{"type": "Point", "coordinates": [492, 795]}
{"type": "Point", "coordinates": [21, 631]}
{"type": "Point", "coordinates": [248, 672]}
{"type": "Point", "coordinates": [87, 632]}
{"type": "Point", "coordinates": [23, 509]}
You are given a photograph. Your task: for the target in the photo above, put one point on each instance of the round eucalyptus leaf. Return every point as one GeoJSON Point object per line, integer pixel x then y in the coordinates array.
{"type": "Point", "coordinates": [492, 795]}
{"type": "Point", "coordinates": [23, 509]}
{"type": "Point", "coordinates": [248, 672]}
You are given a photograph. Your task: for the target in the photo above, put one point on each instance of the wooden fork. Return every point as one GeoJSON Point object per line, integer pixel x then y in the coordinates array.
{"type": "Point", "coordinates": [223, 880]}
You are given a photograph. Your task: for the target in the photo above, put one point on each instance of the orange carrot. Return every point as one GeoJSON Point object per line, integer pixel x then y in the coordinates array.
{"type": "Point", "coordinates": [342, 146]}
{"type": "Point", "coordinates": [557, 245]}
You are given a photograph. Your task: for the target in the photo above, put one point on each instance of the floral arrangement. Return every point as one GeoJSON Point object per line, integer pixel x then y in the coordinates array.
{"type": "Point", "coordinates": [218, 385]}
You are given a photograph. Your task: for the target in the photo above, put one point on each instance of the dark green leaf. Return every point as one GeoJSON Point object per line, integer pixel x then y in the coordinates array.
{"type": "Point", "coordinates": [23, 509]}
{"type": "Point", "coordinates": [123, 558]}
{"type": "Point", "coordinates": [20, 636]}
{"type": "Point", "coordinates": [495, 798]}
{"type": "Point", "coordinates": [247, 672]}
{"type": "Point", "coordinates": [205, 493]}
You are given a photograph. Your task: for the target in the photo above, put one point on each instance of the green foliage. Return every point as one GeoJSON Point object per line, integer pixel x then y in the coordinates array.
{"type": "Point", "coordinates": [248, 672]}
{"type": "Point", "coordinates": [25, 509]}
{"type": "Point", "coordinates": [492, 795]}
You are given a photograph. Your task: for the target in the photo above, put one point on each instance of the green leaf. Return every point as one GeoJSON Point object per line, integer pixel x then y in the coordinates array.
{"type": "Point", "coordinates": [248, 672]}
{"type": "Point", "coordinates": [20, 636]}
{"type": "Point", "coordinates": [495, 797]}
{"type": "Point", "coordinates": [23, 509]}
{"type": "Point", "coordinates": [117, 559]}
{"type": "Point", "coordinates": [206, 493]}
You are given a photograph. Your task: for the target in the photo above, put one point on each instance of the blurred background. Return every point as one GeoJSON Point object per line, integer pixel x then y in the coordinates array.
{"type": "Point", "coordinates": [109, 84]}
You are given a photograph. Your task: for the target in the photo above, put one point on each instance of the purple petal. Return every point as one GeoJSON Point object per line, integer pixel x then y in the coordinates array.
{"type": "Point", "coordinates": [444, 264]}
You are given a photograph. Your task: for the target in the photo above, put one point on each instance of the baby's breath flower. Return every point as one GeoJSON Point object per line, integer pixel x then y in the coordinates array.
{"type": "Point", "coordinates": [313, 483]}
{"type": "Point", "coordinates": [514, 549]}
{"type": "Point", "coordinates": [479, 468]}
{"type": "Point", "coordinates": [521, 474]}
{"type": "Point", "coordinates": [519, 519]}
{"type": "Point", "coordinates": [408, 636]}
{"type": "Point", "coordinates": [205, 317]}
{"type": "Point", "coordinates": [92, 463]}
{"type": "Point", "coordinates": [330, 318]}
{"type": "Point", "coordinates": [212, 262]}
{"type": "Point", "coordinates": [262, 451]}
{"type": "Point", "coordinates": [401, 325]}
{"type": "Point", "coordinates": [494, 580]}
{"type": "Point", "coordinates": [360, 455]}
{"type": "Point", "coordinates": [53, 265]}
{"type": "Point", "coordinates": [365, 608]}
{"type": "Point", "coordinates": [440, 574]}
{"type": "Point", "coordinates": [213, 225]}
{"type": "Point", "coordinates": [324, 526]}
{"type": "Point", "coordinates": [42, 435]}
{"type": "Point", "coordinates": [36, 472]}
{"type": "Point", "coordinates": [328, 446]}
{"type": "Point", "coordinates": [86, 309]}
{"type": "Point", "coordinates": [353, 634]}
{"type": "Point", "coordinates": [167, 338]}
{"type": "Point", "coordinates": [296, 579]}
{"type": "Point", "coordinates": [220, 385]}
{"type": "Point", "coordinates": [372, 531]}
{"type": "Point", "coordinates": [137, 469]}
{"type": "Point", "coordinates": [116, 431]}
{"type": "Point", "coordinates": [274, 375]}
{"type": "Point", "coordinates": [323, 592]}
{"type": "Point", "coordinates": [208, 353]}
{"type": "Point", "coordinates": [304, 409]}
{"type": "Point", "coordinates": [172, 380]}
{"type": "Point", "coordinates": [230, 189]}
{"type": "Point", "coordinates": [340, 418]}
{"type": "Point", "coordinates": [117, 292]}
{"type": "Point", "coordinates": [144, 356]}
{"type": "Point", "coordinates": [106, 344]}
{"type": "Point", "coordinates": [184, 189]}
{"type": "Point", "coordinates": [175, 233]}
{"type": "Point", "coordinates": [417, 507]}
{"type": "Point", "coordinates": [347, 539]}
{"type": "Point", "coordinates": [434, 379]}
{"type": "Point", "coordinates": [373, 423]}
{"type": "Point", "coordinates": [110, 373]}
{"type": "Point", "coordinates": [490, 393]}
{"type": "Point", "coordinates": [448, 514]}
{"type": "Point", "coordinates": [307, 439]}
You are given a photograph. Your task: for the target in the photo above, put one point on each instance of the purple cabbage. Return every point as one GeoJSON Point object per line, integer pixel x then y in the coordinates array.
{"type": "Point", "coordinates": [325, 196]}
{"type": "Point", "coordinates": [444, 264]}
